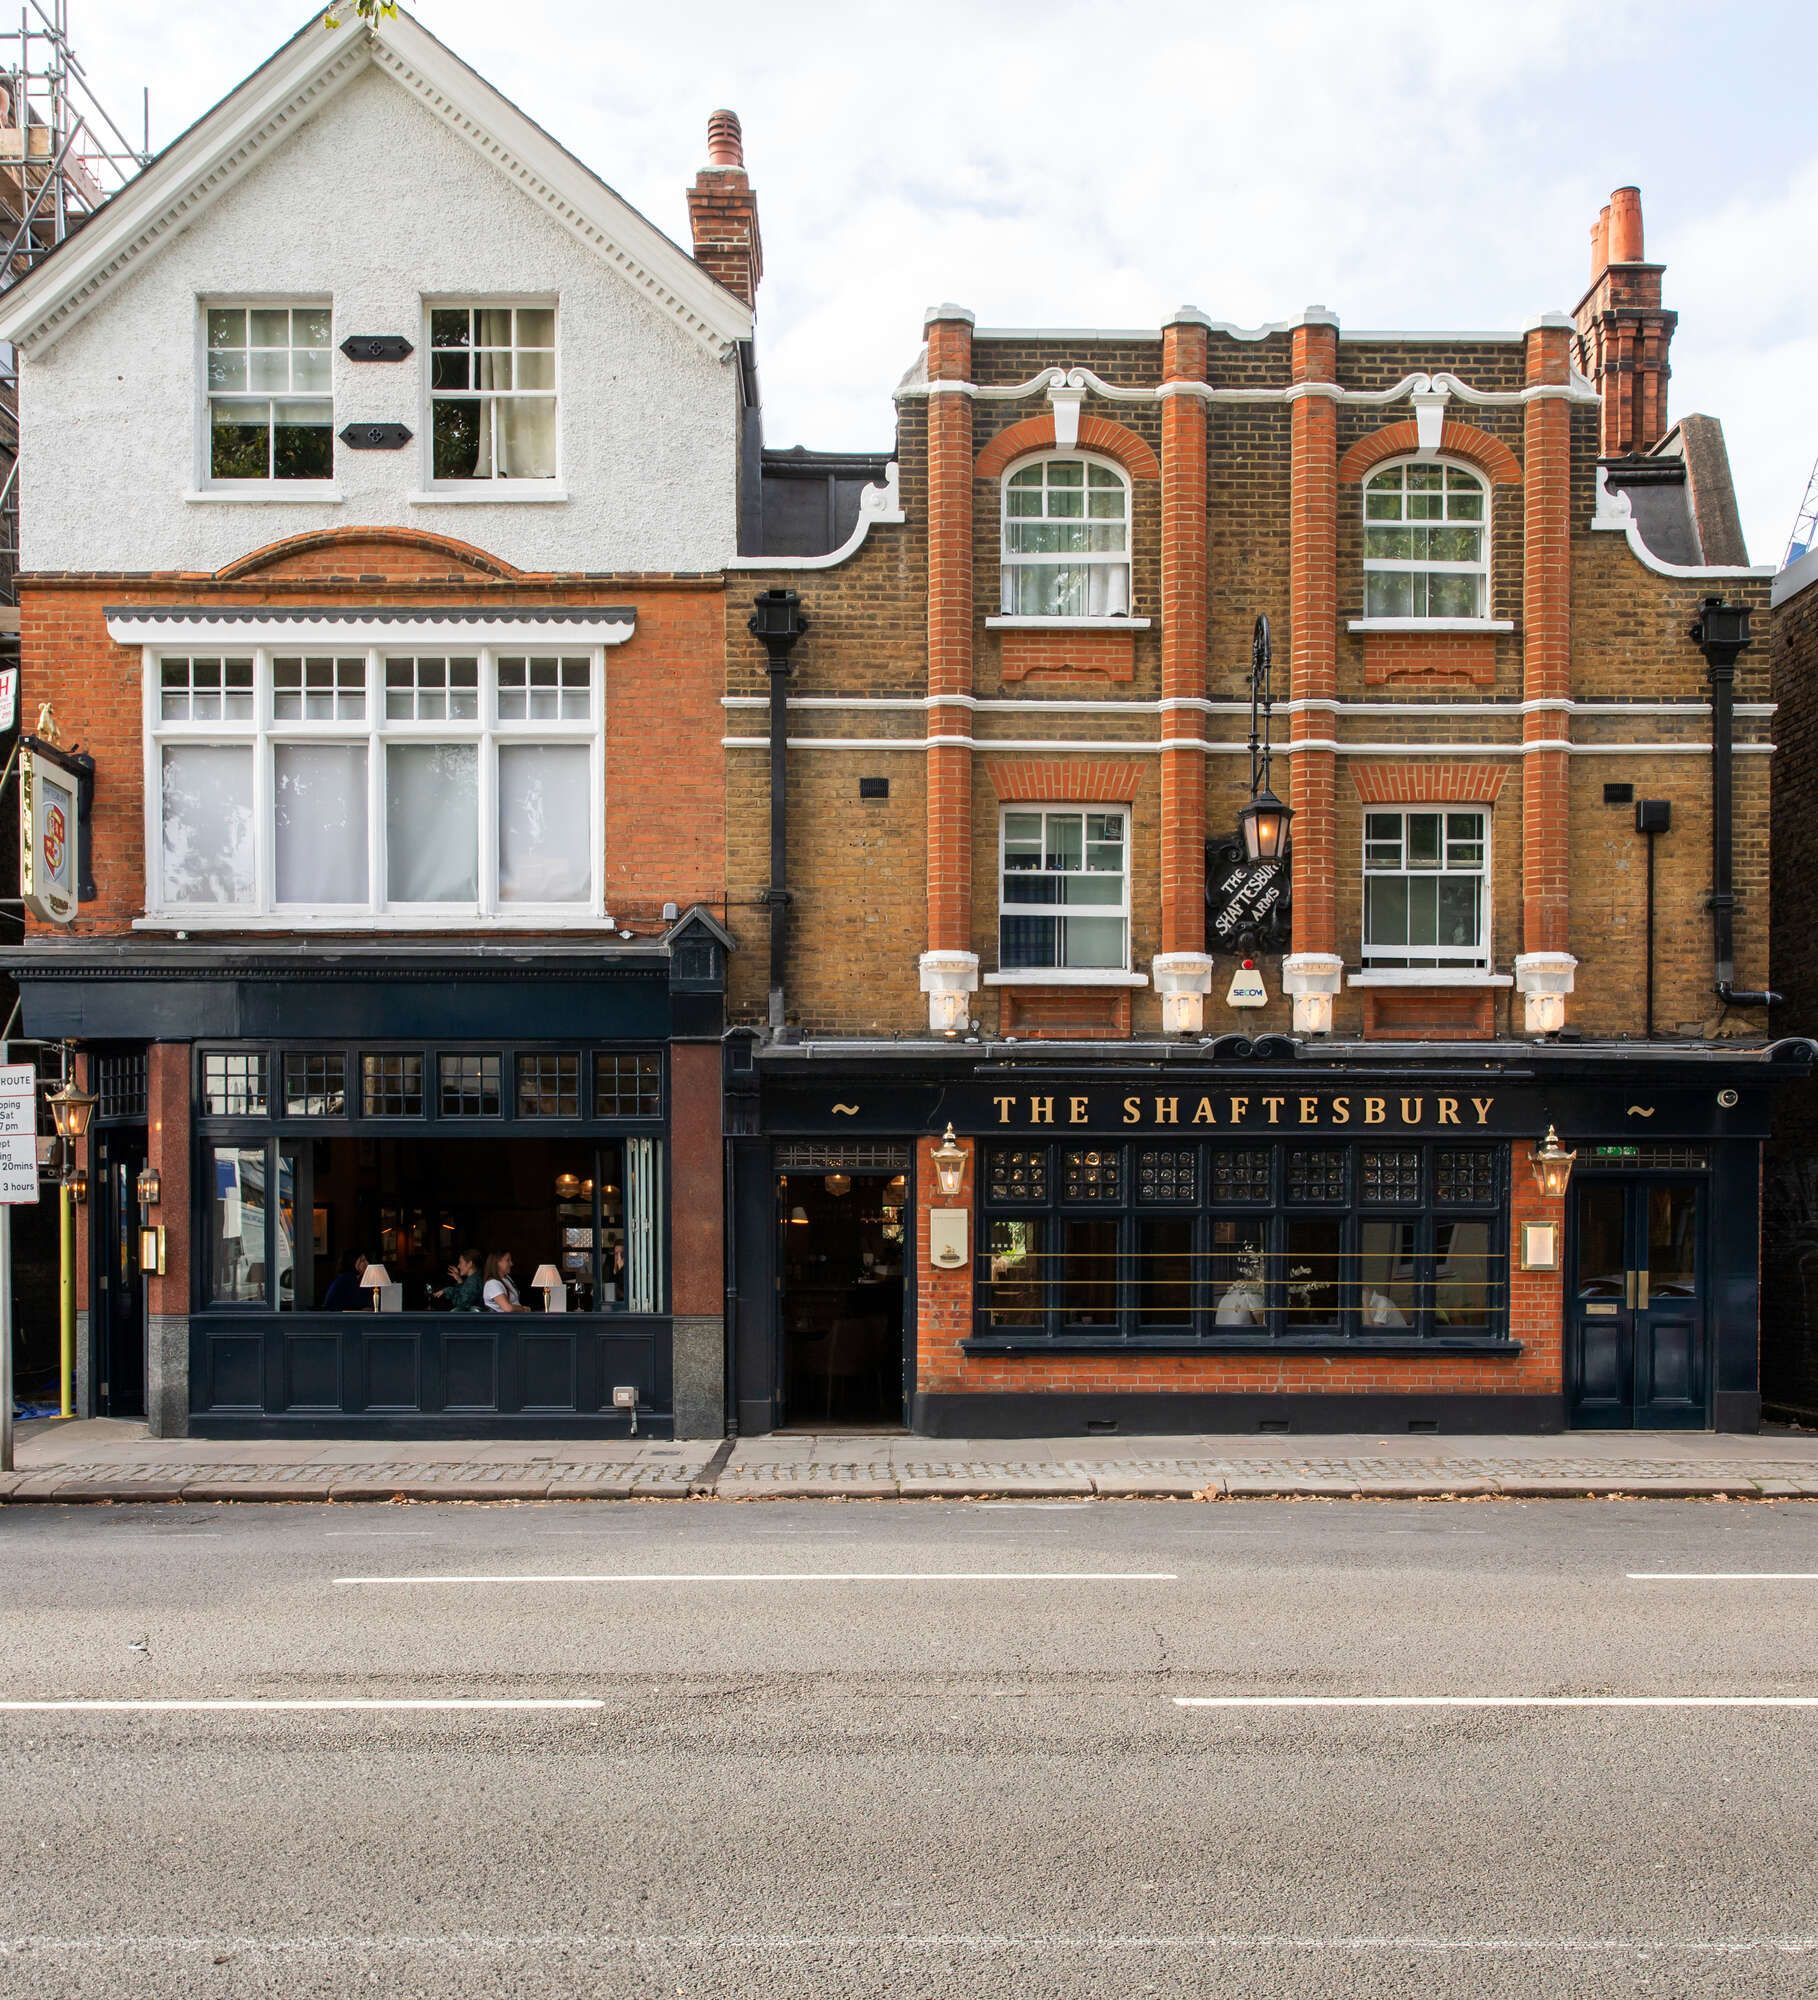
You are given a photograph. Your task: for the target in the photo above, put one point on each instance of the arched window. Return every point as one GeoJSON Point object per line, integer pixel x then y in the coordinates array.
{"type": "Point", "coordinates": [1426, 541]}
{"type": "Point", "coordinates": [1066, 538]}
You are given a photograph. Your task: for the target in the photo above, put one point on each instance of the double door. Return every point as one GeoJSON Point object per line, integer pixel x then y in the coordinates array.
{"type": "Point", "coordinates": [1637, 1334]}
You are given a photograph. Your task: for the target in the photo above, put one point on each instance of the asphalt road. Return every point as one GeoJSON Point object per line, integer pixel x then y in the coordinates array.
{"type": "Point", "coordinates": [920, 1750]}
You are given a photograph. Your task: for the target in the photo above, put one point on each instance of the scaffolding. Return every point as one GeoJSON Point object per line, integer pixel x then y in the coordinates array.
{"type": "Point", "coordinates": [1805, 526]}
{"type": "Point", "coordinates": [62, 154]}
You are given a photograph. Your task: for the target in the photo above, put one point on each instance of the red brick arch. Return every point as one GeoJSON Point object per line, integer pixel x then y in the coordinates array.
{"type": "Point", "coordinates": [1072, 781]}
{"type": "Point", "coordinates": [1488, 454]}
{"type": "Point", "coordinates": [395, 554]}
{"type": "Point", "coordinates": [1428, 782]}
{"type": "Point", "coordinates": [1118, 442]}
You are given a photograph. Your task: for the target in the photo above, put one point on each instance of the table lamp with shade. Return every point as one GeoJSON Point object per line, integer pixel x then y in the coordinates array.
{"type": "Point", "coordinates": [377, 1280]}
{"type": "Point", "coordinates": [548, 1281]}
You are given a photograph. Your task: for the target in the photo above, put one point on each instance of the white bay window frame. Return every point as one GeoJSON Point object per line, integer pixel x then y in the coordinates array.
{"type": "Point", "coordinates": [263, 733]}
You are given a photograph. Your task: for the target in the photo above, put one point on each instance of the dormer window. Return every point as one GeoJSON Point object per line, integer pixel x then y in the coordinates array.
{"type": "Point", "coordinates": [268, 376]}
{"type": "Point", "coordinates": [1426, 542]}
{"type": "Point", "coordinates": [1066, 551]}
{"type": "Point", "coordinates": [492, 386]}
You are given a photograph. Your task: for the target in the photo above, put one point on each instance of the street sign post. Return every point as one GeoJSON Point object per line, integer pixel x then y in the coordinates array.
{"type": "Point", "coordinates": [18, 1183]}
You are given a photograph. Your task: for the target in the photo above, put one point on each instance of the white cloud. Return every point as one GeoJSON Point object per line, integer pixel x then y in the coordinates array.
{"type": "Point", "coordinates": [1412, 163]}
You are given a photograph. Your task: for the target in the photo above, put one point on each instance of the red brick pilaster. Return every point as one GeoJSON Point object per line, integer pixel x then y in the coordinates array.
{"type": "Point", "coordinates": [1546, 613]}
{"type": "Point", "coordinates": [943, 1306]}
{"type": "Point", "coordinates": [949, 630]}
{"type": "Point", "coordinates": [1183, 641]}
{"type": "Point", "coordinates": [1313, 636]}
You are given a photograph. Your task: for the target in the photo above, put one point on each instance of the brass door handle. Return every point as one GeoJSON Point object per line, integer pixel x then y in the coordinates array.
{"type": "Point", "coordinates": [1628, 1290]}
{"type": "Point", "coordinates": [1641, 1291]}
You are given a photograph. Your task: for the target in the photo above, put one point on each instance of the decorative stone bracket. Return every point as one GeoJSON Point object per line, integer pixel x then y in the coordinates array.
{"type": "Point", "coordinates": [949, 978]}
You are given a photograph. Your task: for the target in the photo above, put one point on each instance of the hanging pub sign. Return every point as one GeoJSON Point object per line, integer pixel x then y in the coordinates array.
{"type": "Point", "coordinates": [1247, 902]}
{"type": "Point", "coordinates": [49, 831]}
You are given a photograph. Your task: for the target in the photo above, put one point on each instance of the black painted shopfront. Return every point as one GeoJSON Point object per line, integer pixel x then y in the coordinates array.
{"type": "Point", "coordinates": [1275, 1198]}
{"type": "Point", "coordinates": [420, 1112]}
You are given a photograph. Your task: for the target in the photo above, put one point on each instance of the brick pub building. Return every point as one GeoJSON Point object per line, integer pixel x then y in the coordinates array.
{"type": "Point", "coordinates": [987, 869]}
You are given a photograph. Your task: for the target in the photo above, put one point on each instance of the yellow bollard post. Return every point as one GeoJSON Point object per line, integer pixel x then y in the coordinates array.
{"type": "Point", "coordinates": [66, 1195]}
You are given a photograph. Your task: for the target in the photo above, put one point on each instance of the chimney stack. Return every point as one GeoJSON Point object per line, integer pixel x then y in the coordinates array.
{"type": "Point", "coordinates": [722, 211]}
{"type": "Point", "coordinates": [1623, 330]}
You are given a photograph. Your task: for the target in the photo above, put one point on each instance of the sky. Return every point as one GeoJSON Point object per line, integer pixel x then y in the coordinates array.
{"type": "Point", "coordinates": [1410, 164]}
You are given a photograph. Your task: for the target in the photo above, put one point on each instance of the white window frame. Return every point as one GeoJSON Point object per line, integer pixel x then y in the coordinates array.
{"type": "Point", "coordinates": [1009, 563]}
{"type": "Point", "coordinates": [496, 486]}
{"type": "Point", "coordinates": [263, 732]}
{"type": "Point", "coordinates": [1435, 963]}
{"type": "Point", "coordinates": [206, 485]}
{"type": "Point", "coordinates": [1411, 566]}
{"type": "Point", "coordinates": [1063, 975]}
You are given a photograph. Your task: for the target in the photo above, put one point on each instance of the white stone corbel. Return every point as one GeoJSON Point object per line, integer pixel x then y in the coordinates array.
{"type": "Point", "coordinates": [1183, 979]}
{"type": "Point", "coordinates": [1066, 393]}
{"type": "Point", "coordinates": [1543, 979]}
{"type": "Point", "coordinates": [949, 978]}
{"type": "Point", "coordinates": [1429, 420]}
{"type": "Point", "coordinates": [1312, 980]}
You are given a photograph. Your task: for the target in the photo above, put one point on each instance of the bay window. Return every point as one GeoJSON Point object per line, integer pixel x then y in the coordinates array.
{"type": "Point", "coordinates": [1426, 886]}
{"type": "Point", "coordinates": [352, 785]}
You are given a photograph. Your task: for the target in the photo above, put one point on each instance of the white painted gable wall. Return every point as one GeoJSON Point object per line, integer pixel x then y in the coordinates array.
{"type": "Point", "coordinates": [374, 203]}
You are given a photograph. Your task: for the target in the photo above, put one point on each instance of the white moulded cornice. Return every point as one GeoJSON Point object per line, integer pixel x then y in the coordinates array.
{"type": "Point", "coordinates": [1616, 514]}
{"type": "Point", "coordinates": [201, 165]}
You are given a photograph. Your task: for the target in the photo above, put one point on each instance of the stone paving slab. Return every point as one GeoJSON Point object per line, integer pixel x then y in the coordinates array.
{"type": "Point", "coordinates": [119, 1463]}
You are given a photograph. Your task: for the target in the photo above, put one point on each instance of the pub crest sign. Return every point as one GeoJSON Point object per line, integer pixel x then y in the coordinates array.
{"type": "Point", "coordinates": [1248, 903]}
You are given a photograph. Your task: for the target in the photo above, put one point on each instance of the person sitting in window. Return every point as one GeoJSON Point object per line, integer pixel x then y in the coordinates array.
{"type": "Point", "coordinates": [344, 1292]}
{"type": "Point", "coordinates": [499, 1294]}
{"type": "Point", "coordinates": [462, 1292]}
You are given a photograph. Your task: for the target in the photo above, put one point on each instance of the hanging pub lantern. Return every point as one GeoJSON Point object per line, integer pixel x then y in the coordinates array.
{"type": "Point", "coordinates": [949, 1159]}
{"type": "Point", "coordinates": [1263, 824]}
{"type": "Point", "coordinates": [1552, 1164]}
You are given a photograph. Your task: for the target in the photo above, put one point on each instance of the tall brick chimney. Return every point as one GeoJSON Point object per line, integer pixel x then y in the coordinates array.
{"type": "Point", "coordinates": [1623, 331]}
{"type": "Point", "coordinates": [722, 211]}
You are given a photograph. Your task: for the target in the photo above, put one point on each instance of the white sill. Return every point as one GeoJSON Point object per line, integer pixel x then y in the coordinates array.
{"type": "Point", "coordinates": [351, 921]}
{"type": "Point", "coordinates": [268, 493]}
{"type": "Point", "coordinates": [1431, 625]}
{"type": "Point", "coordinates": [1007, 623]}
{"type": "Point", "coordinates": [1078, 976]}
{"type": "Point", "coordinates": [491, 493]}
{"type": "Point", "coordinates": [1435, 976]}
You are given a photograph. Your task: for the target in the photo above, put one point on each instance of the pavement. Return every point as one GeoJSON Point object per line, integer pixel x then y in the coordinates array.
{"type": "Point", "coordinates": [936, 1751]}
{"type": "Point", "coordinates": [108, 1460]}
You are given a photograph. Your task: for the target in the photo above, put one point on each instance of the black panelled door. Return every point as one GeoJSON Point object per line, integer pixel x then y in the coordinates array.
{"type": "Point", "coordinates": [118, 1297]}
{"type": "Point", "coordinates": [1637, 1338]}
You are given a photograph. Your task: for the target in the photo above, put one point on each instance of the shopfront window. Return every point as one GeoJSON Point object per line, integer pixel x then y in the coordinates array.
{"type": "Point", "coordinates": [1129, 1241]}
{"type": "Point", "coordinates": [435, 1159]}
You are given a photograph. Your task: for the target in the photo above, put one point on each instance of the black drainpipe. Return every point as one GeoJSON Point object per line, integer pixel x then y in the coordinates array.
{"type": "Point", "coordinates": [779, 621]}
{"type": "Point", "coordinates": [1722, 633]}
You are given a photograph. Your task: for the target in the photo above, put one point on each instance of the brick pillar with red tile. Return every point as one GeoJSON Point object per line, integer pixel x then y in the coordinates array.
{"type": "Point", "coordinates": [949, 967]}
{"type": "Point", "coordinates": [1182, 970]}
{"type": "Point", "coordinates": [1544, 967]}
{"type": "Point", "coordinates": [1311, 972]}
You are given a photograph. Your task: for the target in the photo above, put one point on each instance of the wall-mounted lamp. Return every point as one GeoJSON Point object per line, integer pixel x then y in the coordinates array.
{"type": "Point", "coordinates": [151, 1249]}
{"type": "Point", "coordinates": [1552, 1165]}
{"type": "Point", "coordinates": [949, 1163]}
{"type": "Point", "coordinates": [78, 1184]}
{"type": "Point", "coordinates": [71, 1109]}
{"type": "Point", "coordinates": [148, 1188]}
{"type": "Point", "coordinates": [799, 1216]}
